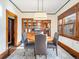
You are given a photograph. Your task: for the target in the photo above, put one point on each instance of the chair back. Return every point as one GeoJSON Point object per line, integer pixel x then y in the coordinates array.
{"type": "Point", "coordinates": [40, 44]}
{"type": "Point", "coordinates": [56, 37]}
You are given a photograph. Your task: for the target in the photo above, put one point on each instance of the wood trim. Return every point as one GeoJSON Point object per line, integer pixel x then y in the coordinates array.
{"type": "Point", "coordinates": [22, 25]}
{"type": "Point", "coordinates": [77, 23]}
{"type": "Point", "coordinates": [68, 12]}
{"type": "Point", "coordinates": [8, 13]}
{"type": "Point", "coordinates": [69, 50]}
{"type": "Point", "coordinates": [6, 53]}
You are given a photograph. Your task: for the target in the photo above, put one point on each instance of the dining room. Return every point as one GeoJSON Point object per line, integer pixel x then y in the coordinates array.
{"type": "Point", "coordinates": [39, 29]}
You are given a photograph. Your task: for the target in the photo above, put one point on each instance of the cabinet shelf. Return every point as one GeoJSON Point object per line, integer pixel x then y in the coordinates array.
{"type": "Point", "coordinates": [36, 25]}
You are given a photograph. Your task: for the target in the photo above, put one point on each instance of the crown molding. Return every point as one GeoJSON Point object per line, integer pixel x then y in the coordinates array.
{"type": "Point", "coordinates": [38, 11]}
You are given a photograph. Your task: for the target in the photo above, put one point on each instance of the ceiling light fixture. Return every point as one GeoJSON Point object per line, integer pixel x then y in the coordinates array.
{"type": "Point", "coordinates": [40, 15]}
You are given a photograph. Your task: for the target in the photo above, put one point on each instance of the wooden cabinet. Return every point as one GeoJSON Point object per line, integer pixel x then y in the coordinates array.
{"type": "Point", "coordinates": [27, 23]}
{"type": "Point", "coordinates": [37, 26]}
{"type": "Point", "coordinates": [68, 23]}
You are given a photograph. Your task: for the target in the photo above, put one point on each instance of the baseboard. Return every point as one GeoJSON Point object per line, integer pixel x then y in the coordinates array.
{"type": "Point", "coordinates": [4, 54]}
{"type": "Point", "coordinates": [69, 50]}
{"type": "Point", "coordinates": [7, 53]}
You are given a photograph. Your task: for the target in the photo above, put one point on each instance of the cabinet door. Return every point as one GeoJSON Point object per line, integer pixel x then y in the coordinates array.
{"type": "Point", "coordinates": [69, 25]}
{"type": "Point", "coordinates": [77, 23]}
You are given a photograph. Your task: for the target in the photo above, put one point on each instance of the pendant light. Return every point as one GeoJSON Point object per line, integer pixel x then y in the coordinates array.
{"type": "Point", "coordinates": [40, 15]}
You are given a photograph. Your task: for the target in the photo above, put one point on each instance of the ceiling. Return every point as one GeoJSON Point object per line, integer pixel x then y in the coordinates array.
{"type": "Point", "coordinates": [32, 6]}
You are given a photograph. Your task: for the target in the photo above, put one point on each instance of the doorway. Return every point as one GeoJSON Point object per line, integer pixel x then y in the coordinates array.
{"type": "Point", "coordinates": [10, 32]}
{"type": "Point", "coordinates": [11, 29]}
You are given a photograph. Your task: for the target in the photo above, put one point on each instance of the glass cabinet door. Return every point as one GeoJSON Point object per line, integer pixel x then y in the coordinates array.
{"type": "Point", "coordinates": [69, 24]}
{"type": "Point", "coordinates": [60, 25]}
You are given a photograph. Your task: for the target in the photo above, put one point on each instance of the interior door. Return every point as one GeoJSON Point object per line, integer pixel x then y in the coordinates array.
{"type": "Point", "coordinates": [11, 32]}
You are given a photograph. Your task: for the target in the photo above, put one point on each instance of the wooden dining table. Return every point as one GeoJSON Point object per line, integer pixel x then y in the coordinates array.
{"type": "Point", "coordinates": [31, 38]}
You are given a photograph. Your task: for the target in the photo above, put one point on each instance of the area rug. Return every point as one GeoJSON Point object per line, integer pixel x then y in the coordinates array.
{"type": "Point", "coordinates": [29, 54]}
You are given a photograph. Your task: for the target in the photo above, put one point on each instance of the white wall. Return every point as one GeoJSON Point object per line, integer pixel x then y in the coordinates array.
{"type": "Point", "coordinates": [69, 42]}
{"type": "Point", "coordinates": [7, 5]}
{"type": "Point", "coordinates": [2, 30]}
{"type": "Point", "coordinates": [53, 24]}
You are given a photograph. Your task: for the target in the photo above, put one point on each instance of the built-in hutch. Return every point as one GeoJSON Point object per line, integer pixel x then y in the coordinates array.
{"type": "Point", "coordinates": [37, 26]}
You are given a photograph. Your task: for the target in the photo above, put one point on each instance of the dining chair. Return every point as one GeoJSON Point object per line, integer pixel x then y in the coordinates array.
{"type": "Point", "coordinates": [40, 45]}
{"type": "Point", "coordinates": [54, 43]}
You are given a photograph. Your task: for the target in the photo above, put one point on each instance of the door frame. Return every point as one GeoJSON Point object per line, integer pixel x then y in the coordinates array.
{"type": "Point", "coordinates": [8, 13]}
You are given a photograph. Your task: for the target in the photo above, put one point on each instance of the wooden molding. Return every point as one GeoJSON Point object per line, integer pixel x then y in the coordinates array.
{"type": "Point", "coordinates": [69, 50]}
{"type": "Point", "coordinates": [6, 53]}
{"type": "Point", "coordinates": [69, 11]}
{"type": "Point", "coordinates": [8, 13]}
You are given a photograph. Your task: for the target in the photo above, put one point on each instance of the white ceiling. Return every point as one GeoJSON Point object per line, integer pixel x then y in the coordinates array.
{"type": "Point", "coordinates": [31, 6]}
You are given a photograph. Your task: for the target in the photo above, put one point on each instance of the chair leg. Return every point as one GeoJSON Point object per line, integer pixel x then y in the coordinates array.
{"type": "Point", "coordinates": [53, 49]}
{"type": "Point", "coordinates": [56, 52]}
{"type": "Point", "coordinates": [24, 53]}
{"type": "Point", "coordinates": [46, 57]}
{"type": "Point", "coordinates": [35, 56]}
